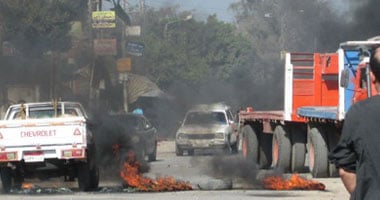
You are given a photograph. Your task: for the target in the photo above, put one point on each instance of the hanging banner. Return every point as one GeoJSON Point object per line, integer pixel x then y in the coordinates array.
{"type": "Point", "coordinates": [103, 19]}
{"type": "Point", "coordinates": [135, 48]}
{"type": "Point", "coordinates": [133, 31]}
{"type": "Point", "coordinates": [104, 47]}
{"type": "Point", "coordinates": [124, 65]}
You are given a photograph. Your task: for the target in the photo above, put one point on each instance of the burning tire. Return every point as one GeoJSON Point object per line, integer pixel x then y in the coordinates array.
{"type": "Point", "coordinates": [250, 144]}
{"type": "Point", "coordinates": [318, 151]}
{"type": "Point", "coordinates": [298, 139]}
{"type": "Point", "coordinates": [281, 148]}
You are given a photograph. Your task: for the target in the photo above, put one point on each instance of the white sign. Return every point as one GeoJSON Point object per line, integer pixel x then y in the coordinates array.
{"type": "Point", "coordinates": [133, 31]}
{"type": "Point", "coordinates": [34, 157]}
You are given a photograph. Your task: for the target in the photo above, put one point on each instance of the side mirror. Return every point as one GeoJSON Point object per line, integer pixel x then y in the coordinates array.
{"type": "Point", "coordinates": [344, 78]}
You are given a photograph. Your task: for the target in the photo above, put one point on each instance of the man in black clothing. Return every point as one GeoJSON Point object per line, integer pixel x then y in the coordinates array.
{"type": "Point", "coordinates": [357, 154]}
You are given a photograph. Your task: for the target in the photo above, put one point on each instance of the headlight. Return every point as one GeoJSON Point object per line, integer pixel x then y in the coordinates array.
{"type": "Point", "coordinates": [181, 136]}
{"type": "Point", "coordinates": [219, 135]}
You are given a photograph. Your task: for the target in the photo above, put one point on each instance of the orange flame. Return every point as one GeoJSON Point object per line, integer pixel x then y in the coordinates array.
{"type": "Point", "coordinates": [294, 183]}
{"type": "Point", "coordinates": [132, 177]}
{"type": "Point", "coordinates": [27, 186]}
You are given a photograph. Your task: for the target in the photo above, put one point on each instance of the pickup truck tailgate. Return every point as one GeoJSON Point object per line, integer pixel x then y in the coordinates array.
{"type": "Point", "coordinates": [42, 132]}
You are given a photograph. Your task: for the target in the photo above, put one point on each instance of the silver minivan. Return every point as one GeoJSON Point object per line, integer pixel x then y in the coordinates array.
{"type": "Point", "coordinates": [207, 126]}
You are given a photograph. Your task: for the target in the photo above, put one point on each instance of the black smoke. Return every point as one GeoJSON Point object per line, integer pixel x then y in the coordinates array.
{"type": "Point", "coordinates": [233, 167]}
{"type": "Point", "coordinates": [113, 141]}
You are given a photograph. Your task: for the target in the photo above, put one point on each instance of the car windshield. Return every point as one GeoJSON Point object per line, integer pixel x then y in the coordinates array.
{"type": "Point", "coordinates": [205, 118]}
{"type": "Point", "coordinates": [130, 121]}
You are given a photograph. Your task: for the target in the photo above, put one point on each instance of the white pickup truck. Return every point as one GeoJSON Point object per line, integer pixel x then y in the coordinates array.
{"type": "Point", "coordinates": [47, 139]}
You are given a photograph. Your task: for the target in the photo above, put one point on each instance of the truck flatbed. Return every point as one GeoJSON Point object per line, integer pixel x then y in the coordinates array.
{"type": "Point", "coordinates": [322, 112]}
{"type": "Point", "coordinates": [271, 115]}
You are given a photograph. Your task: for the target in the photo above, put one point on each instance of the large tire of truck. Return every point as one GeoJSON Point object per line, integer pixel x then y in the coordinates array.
{"type": "Point", "coordinates": [298, 142]}
{"type": "Point", "coordinates": [318, 152]}
{"type": "Point", "coordinates": [281, 148]}
{"type": "Point", "coordinates": [250, 144]}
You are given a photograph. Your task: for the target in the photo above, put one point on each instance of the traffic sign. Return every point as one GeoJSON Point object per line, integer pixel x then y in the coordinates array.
{"type": "Point", "coordinates": [124, 65]}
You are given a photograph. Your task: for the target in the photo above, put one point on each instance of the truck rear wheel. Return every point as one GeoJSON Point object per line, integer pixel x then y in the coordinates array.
{"type": "Point", "coordinates": [250, 144]}
{"type": "Point", "coordinates": [318, 152]}
{"type": "Point", "coordinates": [281, 148]}
{"type": "Point", "coordinates": [298, 139]}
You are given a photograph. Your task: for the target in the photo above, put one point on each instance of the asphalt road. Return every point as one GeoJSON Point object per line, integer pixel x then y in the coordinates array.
{"type": "Point", "coordinates": [212, 177]}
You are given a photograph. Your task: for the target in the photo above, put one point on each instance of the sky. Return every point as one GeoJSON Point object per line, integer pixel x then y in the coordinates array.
{"type": "Point", "coordinates": [202, 8]}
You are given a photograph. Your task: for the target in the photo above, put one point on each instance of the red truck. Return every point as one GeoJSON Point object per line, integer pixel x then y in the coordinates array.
{"type": "Point", "coordinates": [319, 88]}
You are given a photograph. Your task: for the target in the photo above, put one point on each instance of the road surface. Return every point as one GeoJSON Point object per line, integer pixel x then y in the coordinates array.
{"type": "Point", "coordinates": [206, 172]}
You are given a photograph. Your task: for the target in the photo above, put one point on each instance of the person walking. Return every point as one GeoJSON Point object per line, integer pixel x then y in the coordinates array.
{"type": "Point", "coordinates": [357, 152]}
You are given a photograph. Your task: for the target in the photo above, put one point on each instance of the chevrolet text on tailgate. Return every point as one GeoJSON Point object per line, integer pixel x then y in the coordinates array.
{"type": "Point", "coordinates": [47, 139]}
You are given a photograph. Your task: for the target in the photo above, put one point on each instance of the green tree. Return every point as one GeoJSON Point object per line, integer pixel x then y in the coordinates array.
{"type": "Point", "coordinates": [274, 26]}
{"type": "Point", "coordinates": [35, 27]}
{"type": "Point", "coordinates": [191, 52]}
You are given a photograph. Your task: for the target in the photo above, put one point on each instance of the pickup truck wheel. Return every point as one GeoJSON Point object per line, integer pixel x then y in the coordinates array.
{"type": "Point", "coordinates": [318, 152]}
{"type": "Point", "coordinates": [152, 156]}
{"type": "Point", "coordinates": [94, 178]}
{"type": "Point", "coordinates": [141, 154]}
{"type": "Point", "coordinates": [88, 179]}
{"type": "Point", "coordinates": [6, 179]}
{"type": "Point", "coordinates": [281, 148]}
{"type": "Point", "coordinates": [250, 145]}
{"type": "Point", "coordinates": [178, 151]}
{"type": "Point", "coordinates": [84, 182]}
